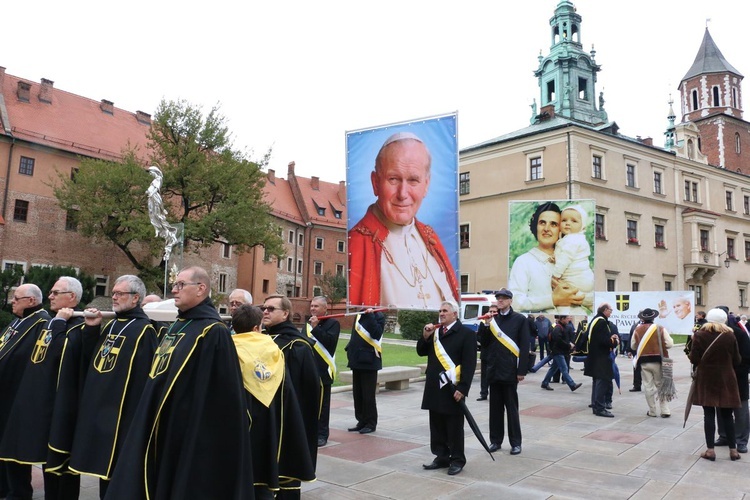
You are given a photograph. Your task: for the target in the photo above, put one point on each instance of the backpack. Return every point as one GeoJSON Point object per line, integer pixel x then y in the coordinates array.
{"type": "Point", "coordinates": [582, 341]}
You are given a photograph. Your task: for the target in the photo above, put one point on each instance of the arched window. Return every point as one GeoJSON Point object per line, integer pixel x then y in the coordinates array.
{"type": "Point", "coordinates": [695, 100]}
{"type": "Point", "coordinates": [737, 146]}
{"type": "Point", "coordinates": [734, 97]}
{"type": "Point", "coordinates": [691, 149]}
{"type": "Point", "coordinates": [716, 96]}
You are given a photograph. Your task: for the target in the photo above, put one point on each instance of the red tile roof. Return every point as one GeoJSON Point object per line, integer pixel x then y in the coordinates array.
{"type": "Point", "coordinates": [69, 122]}
{"type": "Point", "coordinates": [279, 196]}
{"type": "Point", "coordinates": [326, 196]}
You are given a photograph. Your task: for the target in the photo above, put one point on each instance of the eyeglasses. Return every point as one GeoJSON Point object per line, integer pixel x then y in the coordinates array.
{"type": "Point", "coordinates": [181, 284]}
{"type": "Point", "coordinates": [20, 298]}
{"type": "Point", "coordinates": [269, 308]}
{"type": "Point", "coordinates": [236, 303]}
{"type": "Point", "coordinates": [117, 295]}
{"type": "Point", "coordinates": [57, 292]}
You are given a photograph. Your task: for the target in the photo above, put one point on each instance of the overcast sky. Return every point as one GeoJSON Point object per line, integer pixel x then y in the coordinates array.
{"type": "Point", "coordinates": [296, 75]}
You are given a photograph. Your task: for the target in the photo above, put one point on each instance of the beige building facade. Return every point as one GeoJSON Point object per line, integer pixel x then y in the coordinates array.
{"type": "Point", "coordinates": [667, 218]}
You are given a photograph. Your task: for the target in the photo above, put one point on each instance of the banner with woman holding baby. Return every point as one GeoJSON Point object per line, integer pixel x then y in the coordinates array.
{"type": "Point", "coordinates": [551, 256]}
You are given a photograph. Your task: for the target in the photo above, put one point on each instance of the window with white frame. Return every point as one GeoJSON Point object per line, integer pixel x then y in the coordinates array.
{"type": "Point", "coordinates": [729, 197]}
{"type": "Point", "coordinates": [101, 288]}
{"type": "Point", "coordinates": [742, 289]}
{"type": "Point", "coordinates": [300, 239]}
{"type": "Point", "coordinates": [698, 291]}
{"type": "Point", "coordinates": [464, 283]}
{"type": "Point", "coordinates": [317, 291]}
{"type": "Point", "coordinates": [319, 243]}
{"type": "Point", "coordinates": [464, 185]}
{"type": "Point", "coordinates": [299, 266]}
{"type": "Point", "coordinates": [535, 168]}
{"type": "Point", "coordinates": [223, 278]}
{"type": "Point", "coordinates": [463, 231]}
{"type": "Point", "coordinates": [291, 236]}
{"type": "Point", "coordinates": [341, 246]}
{"type": "Point", "coordinates": [339, 269]}
{"type": "Point", "coordinates": [658, 188]}
{"type": "Point", "coordinates": [289, 264]}
{"type": "Point", "coordinates": [226, 251]}
{"type": "Point", "coordinates": [599, 227]}
{"type": "Point", "coordinates": [318, 268]}
{"type": "Point", "coordinates": [730, 249]}
{"type": "Point", "coordinates": [630, 175]}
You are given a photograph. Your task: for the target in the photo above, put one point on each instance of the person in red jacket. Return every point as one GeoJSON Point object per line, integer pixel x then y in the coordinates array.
{"type": "Point", "coordinates": [393, 258]}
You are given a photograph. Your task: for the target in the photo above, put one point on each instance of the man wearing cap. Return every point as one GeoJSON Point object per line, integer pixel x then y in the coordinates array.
{"type": "Point", "coordinates": [598, 364]}
{"type": "Point", "coordinates": [394, 258]}
{"type": "Point", "coordinates": [506, 346]}
{"type": "Point", "coordinates": [650, 343]}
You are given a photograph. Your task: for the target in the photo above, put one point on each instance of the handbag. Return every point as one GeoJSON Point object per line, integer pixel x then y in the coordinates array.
{"type": "Point", "coordinates": [667, 391]}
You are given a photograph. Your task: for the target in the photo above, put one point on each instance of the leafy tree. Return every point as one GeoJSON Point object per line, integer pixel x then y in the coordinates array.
{"type": "Point", "coordinates": [333, 286]}
{"type": "Point", "coordinates": [215, 190]}
{"type": "Point", "coordinates": [45, 278]}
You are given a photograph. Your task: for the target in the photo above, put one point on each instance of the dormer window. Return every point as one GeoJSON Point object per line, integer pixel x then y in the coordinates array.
{"type": "Point", "coordinates": [337, 214]}
{"type": "Point", "coordinates": [321, 211]}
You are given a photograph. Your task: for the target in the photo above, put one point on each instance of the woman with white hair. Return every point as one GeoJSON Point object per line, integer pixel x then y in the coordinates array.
{"type": "Point", "coordinates": [714, 353]}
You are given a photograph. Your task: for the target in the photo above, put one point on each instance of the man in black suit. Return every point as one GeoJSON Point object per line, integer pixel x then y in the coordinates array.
{"type": "Point", "coordinates": [507, 346]}
{"type": "Point", "coordinates": [365, 359]}
{"type": "Point", "coordinates": [451, 354]}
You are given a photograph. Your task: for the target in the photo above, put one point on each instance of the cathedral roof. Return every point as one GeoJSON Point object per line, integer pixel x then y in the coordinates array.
{"type": "Point", "coordinates": [709, 60]}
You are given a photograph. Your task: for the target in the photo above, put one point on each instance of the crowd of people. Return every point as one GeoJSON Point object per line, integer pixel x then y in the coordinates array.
{"type": "Point", "coordinates": [135, 402]}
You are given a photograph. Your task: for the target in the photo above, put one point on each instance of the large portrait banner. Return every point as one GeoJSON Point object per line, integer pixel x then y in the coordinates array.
{"type": "Point", "coordinates": [551, 256]}
{"type": "Point", "coordinates": [402, 204]}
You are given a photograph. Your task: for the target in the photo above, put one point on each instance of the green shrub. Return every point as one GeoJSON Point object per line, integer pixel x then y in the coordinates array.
{"type": "Point", "coordinates": [412, 322]}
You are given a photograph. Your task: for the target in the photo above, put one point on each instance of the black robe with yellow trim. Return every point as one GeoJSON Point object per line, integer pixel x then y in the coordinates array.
{"type": "Point", "coordinates": [27, 430]}
{"type": "Point", "coordinates": [303, 375]}
{"type": "Point", "coordinates": [16, 343]}
{"type": "Point", "coordinates": [73, 363]}
{"type": "Point", "coordinates": [190, 435]}
{"type": "Point", "coordinates": [116, 375]}
{"type": "Point", "coordinates": [279, 442]}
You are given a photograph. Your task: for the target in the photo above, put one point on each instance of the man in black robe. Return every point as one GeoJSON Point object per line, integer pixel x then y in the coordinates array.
{"type": "Point", "coordinates": [27, 434]}
{"type": "Point", "coordinates": [303, 374]}
{"type": "Point", "coordinates": [451, 349]}
{"type": "Point", "coordinates": [364, 357]}
{"type": "Point", "coordinates": [114, 380]}
{"type": "Point", "coordinates": [279, 442]}
{"type": "Point", "coordinates": [190, 435]}
{"type": "Point", "coordinates": [16, 343]}
{"type": "Point", "coordinates": [325, 333]}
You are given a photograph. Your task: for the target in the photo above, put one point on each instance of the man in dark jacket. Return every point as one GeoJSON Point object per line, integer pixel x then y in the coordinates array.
{"type": "Point", "coordinates": [325, 332]}
{"type": "Point", "coordinates": [560, 345]}
{"type": "Point", "coordinates": [484, 389]}
{"type": "Point", "coordinates": [598, 364]}
{"type": "Point", "coordinates": [507, 347]}
{"type": "Point", "coordinates": [364, 354]}
{"type": "Point", "coordinates": [741, 416]}
{"type": "Point", "coordinates": [451, 353]}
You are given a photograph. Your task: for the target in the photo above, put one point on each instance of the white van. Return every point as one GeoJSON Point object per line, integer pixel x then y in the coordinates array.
{"type": "Point", "coordinates": [474, 305]}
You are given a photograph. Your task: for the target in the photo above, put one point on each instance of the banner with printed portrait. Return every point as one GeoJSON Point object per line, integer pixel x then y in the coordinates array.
{"type": "Point", "coordinates": [402, 205]}
{"type": "Point", "coordinates": [676, 309]}
{"type": "Point", "coordinates": [551, 256]}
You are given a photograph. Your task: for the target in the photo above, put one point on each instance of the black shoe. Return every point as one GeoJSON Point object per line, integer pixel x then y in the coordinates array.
{"type": "Point", "coordinates": [608, 406]}
{"type": "Point", "coordinates": [577, 386]}
{"type": "Point", "coordinates": [455, 469]}
{"type": "Point", "coordinates": [516, 450]}
{"type": "Point", "coordinates": [604, 413]}
{"type": "Point", "coordinates": [482, 398]}
{"type": "Point", "coordinates": [720, 442]}
{"type": "Point", "coordinates": [547, 388]}
{"type": "Point", "coordinates": [494, 447]}
{"type": "Point", "coordinates": [434, 465]}
{"type": "Point", "coordinates": [591, 406]}
{"type": "Point", "coordinates": [356, 428]}
{"type": "Point", "coordinates": [322, 441]}
{"type": "Point", "coordinates": [635, 389]}
{"type": "Point", "coordinates": [366, 430]}
{"type": "Point", "coordinates": [742, 448]}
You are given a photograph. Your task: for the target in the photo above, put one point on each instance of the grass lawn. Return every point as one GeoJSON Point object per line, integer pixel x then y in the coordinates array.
{"type": "Point", "coordinates": [393, 355]}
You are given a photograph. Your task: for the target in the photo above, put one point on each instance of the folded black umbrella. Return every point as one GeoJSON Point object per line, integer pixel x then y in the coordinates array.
{"type": "Point", "coordinates": [469, 417]}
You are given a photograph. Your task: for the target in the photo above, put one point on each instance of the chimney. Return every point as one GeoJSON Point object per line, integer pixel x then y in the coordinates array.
{"type": "Point", "coordinates": [24, 90]}
{"type": "Point", "coordinates": [290, 171]}
{"type": "Point", "coordinates": [272, 176]}
{"type": "Point", "coordinates": [315, 183]}
{"type": "Point", "coordinates": [648, 141]}
{"type": "Point", "coordinates": [342, 192]}
{"type": "Point", "coordinates": [143, 118]}
{"type": "Point", "coordinates": [45, 91]}
{"type": "Point", "coordinates": [107, 107]}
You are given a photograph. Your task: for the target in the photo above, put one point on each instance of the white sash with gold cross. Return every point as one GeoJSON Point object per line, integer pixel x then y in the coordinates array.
{"type": "Point", "coordinates": [452, 371]}
{"type": "Point", "coordinates": [321, 349]}
{"type": "Point", "coordinates": [362, 332]}
{"type": "Point", "coordinates": [503, 338]}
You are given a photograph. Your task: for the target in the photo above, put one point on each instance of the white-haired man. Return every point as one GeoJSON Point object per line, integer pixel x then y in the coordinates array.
{"type": "Point", "coordinates": [451, 351]}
